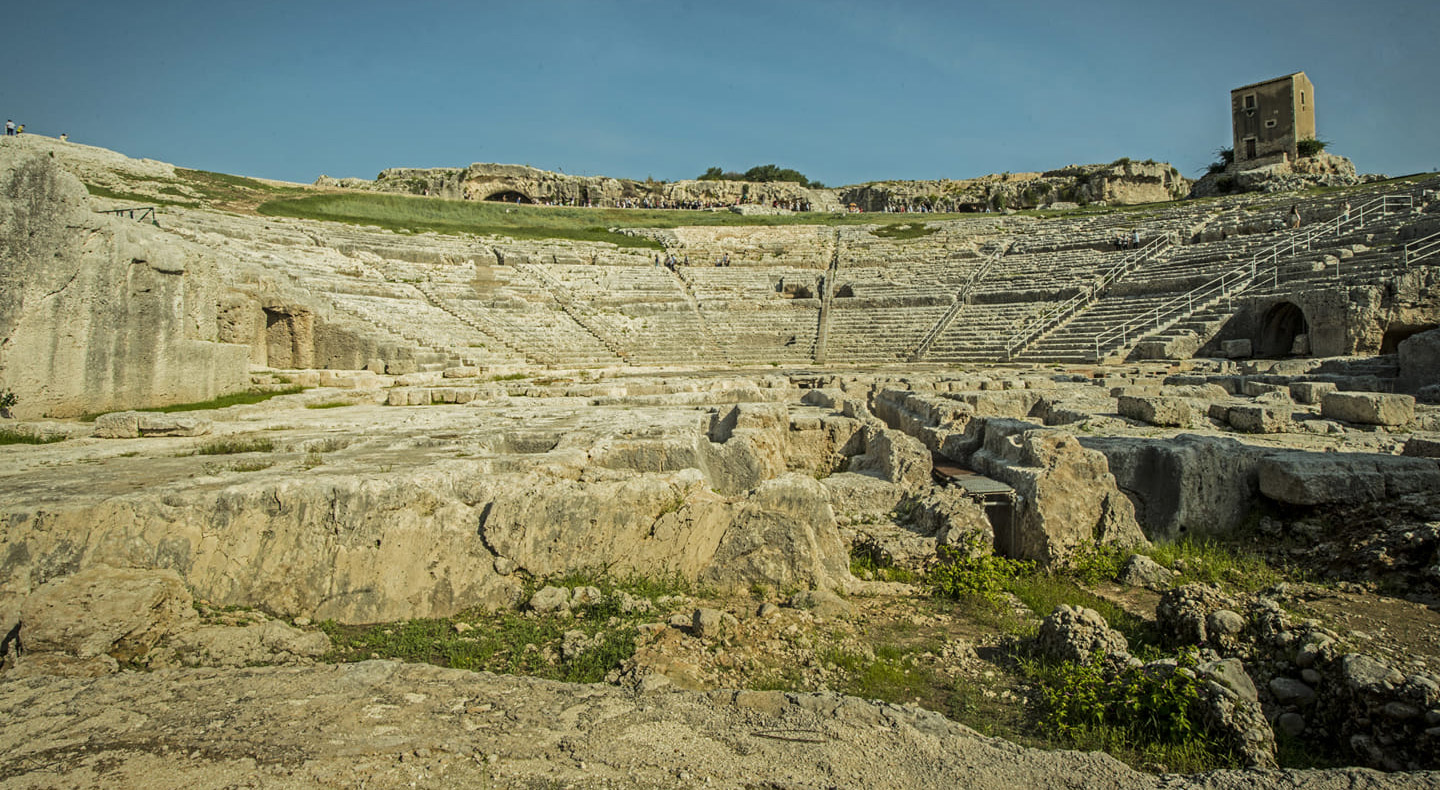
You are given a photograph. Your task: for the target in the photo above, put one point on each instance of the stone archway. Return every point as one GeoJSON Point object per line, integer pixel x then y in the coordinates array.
{"type": "Point", "coordinates": [510, 196]}
{"type": "Point", "coordinates": [1282, 324]}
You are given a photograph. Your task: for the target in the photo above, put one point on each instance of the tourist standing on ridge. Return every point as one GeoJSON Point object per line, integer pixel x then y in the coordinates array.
{"type": "Point", "coordinates": [1294, 216]}
{"type": "Point", "coordinates": [9, 128]}
{"type": "Point", "coordinates": [64, 138]}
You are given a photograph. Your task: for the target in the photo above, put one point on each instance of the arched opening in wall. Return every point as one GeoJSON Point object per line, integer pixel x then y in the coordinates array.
{"type": "Point", "coordinates": [1283, 323]}
{"type": "Point", "coordinates": [510, 196]}
{"type": "Point", "coordinates": [1395, 335]}
{"type": "Point", "coordinates": [845, 292]}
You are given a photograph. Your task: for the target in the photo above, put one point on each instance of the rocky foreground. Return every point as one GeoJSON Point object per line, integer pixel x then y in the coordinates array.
{"type": "Point", "coordinates": [383, 724]}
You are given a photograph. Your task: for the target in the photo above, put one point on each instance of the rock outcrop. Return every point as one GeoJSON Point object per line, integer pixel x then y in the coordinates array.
{"type": "Point", "coordinates": [1067, 496]}
{"type": "Point", "coordinates": [99, 313]}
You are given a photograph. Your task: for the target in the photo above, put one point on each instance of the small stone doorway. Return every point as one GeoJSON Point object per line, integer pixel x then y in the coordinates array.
{"type": "Point", "coordinates": [1283, 323]}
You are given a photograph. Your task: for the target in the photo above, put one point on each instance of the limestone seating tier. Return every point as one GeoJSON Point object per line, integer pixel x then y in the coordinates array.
{"type": "Point", "coordinates": [451, 298]}
{"type": "Point", "coordinates": [979, 332]}
{"type": "Point", "coordinates": [880, 334]}
{"type": "Point", "coordinates": [1043, 275]}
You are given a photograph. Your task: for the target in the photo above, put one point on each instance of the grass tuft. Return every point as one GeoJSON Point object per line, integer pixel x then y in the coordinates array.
{"type": "Point", "coordinates": [234, 399]}
{"type": "Point", "coordinates": [236, 445]}
{"type": "Point", "coordinates": [12, 436]}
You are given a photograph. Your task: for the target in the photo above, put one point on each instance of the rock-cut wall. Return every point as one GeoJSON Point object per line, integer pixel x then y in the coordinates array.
{"type": "Point", "coordinates": [100, 313]}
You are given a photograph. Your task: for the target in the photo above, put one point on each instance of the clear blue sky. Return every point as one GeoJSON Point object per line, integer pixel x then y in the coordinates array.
{"type": "Point", "coordinates": [843, 91]}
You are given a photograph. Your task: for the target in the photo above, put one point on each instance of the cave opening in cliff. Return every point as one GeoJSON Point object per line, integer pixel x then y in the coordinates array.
{"type": "Point", "coordinates": [509, 196]}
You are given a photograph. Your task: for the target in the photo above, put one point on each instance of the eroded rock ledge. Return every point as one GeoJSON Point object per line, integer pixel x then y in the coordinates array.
{"type": "Point", "coordinates": [384, 724]}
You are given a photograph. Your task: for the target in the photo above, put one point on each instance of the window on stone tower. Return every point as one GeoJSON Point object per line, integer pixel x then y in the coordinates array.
{"type": "Point", "coordinates": [1248, 102]}
{"type": "Point", "coordinates": [1302, 99]}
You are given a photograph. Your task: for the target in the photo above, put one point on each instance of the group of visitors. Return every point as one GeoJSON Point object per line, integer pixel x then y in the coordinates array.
{"type": "Point", "coordinates": [912, 208]}
{"type": "Point", "coordinates": [652, 202]}
{"type": "Point", "coordinates": [1127, 241]}
{"type": "Point", "coordinates": [13, 129]}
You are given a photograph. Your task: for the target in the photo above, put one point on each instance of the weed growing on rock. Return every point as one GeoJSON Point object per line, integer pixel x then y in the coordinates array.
{"type": "Point", "coordinates": [1094, 563]}
{"type": "Point", "coordinates": [11, 436]}
{"type": "Point", "coordinates": [1152, 717]}
{"type": "Point", "coordinates": [962, 574]}
{"type": "Point", "coordinates": [585, 645]}
{"type": "Point", "coordinates": [1212, 562]}
{"type": "Point", "coordinates": [868, 560]}
{"type": "Point", "coordinates": [234, 445]}
{"type": "Point", "coordinates": [233, 399]}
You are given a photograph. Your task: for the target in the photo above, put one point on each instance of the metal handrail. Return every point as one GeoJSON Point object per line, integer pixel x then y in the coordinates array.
{"type": "Point", "coordinates": [1244, 275]}
{"type": "Point", "coordinates": [1055, 315]}
{"type": "Point", "coordinates": [146, 212]}
{"type": "Point", "coordinates": [962, 298]}
{"type": "Point", "coordinates": [1422, 248]}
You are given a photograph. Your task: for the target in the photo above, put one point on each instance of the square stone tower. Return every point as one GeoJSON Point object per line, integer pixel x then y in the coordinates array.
{"type": "Point", "coordinates": [1270, 117]}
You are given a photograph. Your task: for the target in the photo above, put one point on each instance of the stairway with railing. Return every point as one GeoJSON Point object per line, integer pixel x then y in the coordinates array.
{"type": "Point", "coordinates": [1060, 313]}
{"type": "Point", "coordinates": [962, 298]}
{"type": "Point", "coordinates": [1421, 249]}
{"type": "Point", "coordinates": [1252, 272]}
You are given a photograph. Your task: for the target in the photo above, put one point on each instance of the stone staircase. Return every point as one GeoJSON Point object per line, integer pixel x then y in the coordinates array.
{"type": "Point", "coordinates": [1019, 345]}
{"type": "Point", "coordinates": [1291, 260]}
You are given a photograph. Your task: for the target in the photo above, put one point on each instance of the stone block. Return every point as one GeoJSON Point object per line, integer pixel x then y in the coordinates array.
{"type": "Point", "coordinates": [1138, 390]}
{"type": "Point", "coordinates": [156, 424]}
{"type": "Point", "coordinates": [1423, 446]}
{"type": "Point", "coordinates": [1301, 478]}
{"type": "Point", "coordinates": [398, 397]}
{"type": "Point", "coordinates": [1259, 419]}
{"type": "Point", "coordinates": [1419, 360]}
{"type": "Point", "coordinates": [306, 378]}
{"type": "Point", "coordinates": [399, 367]}
{"type": "Point", "coordinates": [462, 372]}
{"type": "Point", "coordinates": [133, 424]}
{"type": "Point", "coordinates": [118, 425]}
{"type": "Point", "coordinates": [1230, 384]}
{"type": "Point", "coordinates": [1254, 388]}
{"type": "Point", "coordinates": [1236, 349]}
{"type": "Point", "coordinates": [1310, 392]}
{"type": "Point", "coordinates": [1368, 408]}
{"type": "Point", "coordinates": [1158, 410]}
